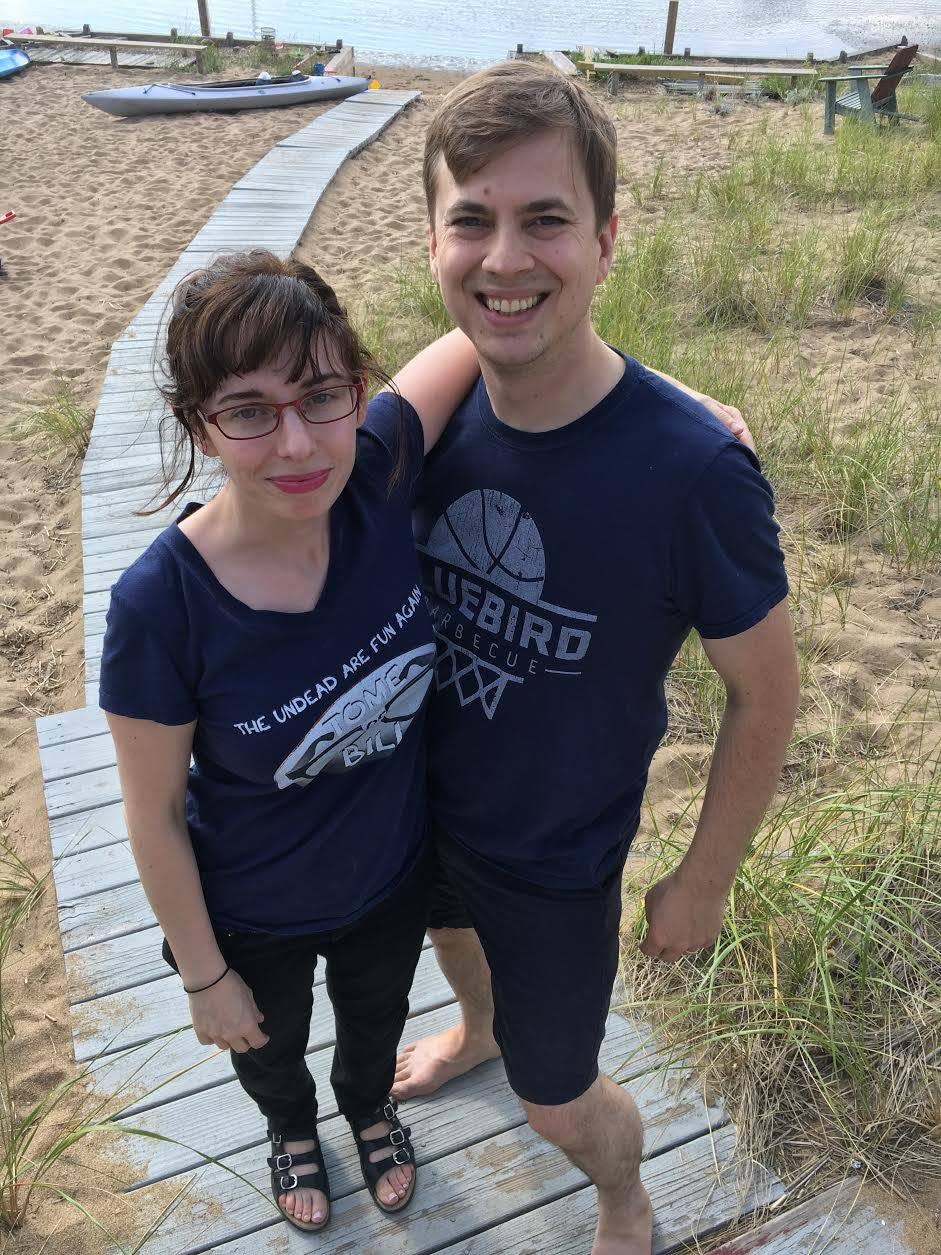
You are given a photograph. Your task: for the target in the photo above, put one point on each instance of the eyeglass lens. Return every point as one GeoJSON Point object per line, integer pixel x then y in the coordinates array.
{"type": "Point", "coordinates": [325, 405]}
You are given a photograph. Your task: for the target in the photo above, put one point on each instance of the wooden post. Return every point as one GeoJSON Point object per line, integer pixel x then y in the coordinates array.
{"type": "Point", "coordinates": [200, 63]}
{"type": "Point", "coordinates": [829, 108]}
{"type": "Point", "coordinates": [229, 39]}
{"type": "Point", "coordinates": [203, 7]}
{"type": "Point", "coordinates": [671, 27]}
{"type": "Point", "coordinates": [113, 53]}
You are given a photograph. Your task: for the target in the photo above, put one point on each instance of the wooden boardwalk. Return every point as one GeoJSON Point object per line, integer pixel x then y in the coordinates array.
{"type": "Point", "coordinates": [487, 1184]}
{"type": "Point", "coordinates": [68, 55]}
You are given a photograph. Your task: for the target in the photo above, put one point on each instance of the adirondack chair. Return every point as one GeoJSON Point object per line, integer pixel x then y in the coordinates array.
{"type": "Point", "coordinates": [880, 102]}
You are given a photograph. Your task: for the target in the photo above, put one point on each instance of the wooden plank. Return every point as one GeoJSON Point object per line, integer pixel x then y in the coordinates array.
{"type": "Point", "coordinates": [88, 871]}
{"type": "Point", "coordinates": [89, 830]}
{"type": "Point", "coordinates": [224, 1117]}
{"type": "Point", "coordinates": [82, 793]}
{"type": "Point", "coordinates": [70, 725]}
{"type": "Point", "coordinates": [82, 42]}
{"type": "Point", "coordinates": [72, 757]}
{"type": "Point", "coordinates": [694, 1189]}
{"type": "Point", "coordinates": [834, 1222]}
{"type": "Point", "coordinates": [684, 69]}
{"type": "Point", "coordinates": [117, 913]}
{"type": "Point", "coordinates": [132, 1017]}
{"type": "Point", "coordinates": [468, 1190]}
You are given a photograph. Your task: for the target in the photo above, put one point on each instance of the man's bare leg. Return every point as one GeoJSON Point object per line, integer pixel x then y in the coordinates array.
{"type": "Point", "coordinates": [601, 1133]}
{"type": "Point", "coordinates": [427, 1064]}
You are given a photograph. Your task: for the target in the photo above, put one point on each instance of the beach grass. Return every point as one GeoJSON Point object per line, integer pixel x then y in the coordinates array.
{"type": "Point", "coordinates": [816, 1014]}
{"type": "Point", "coordinates": [60, 420]}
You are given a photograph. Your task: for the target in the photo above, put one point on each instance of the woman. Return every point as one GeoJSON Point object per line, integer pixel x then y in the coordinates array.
{"type": "Point", "coordinates": [277, 635]}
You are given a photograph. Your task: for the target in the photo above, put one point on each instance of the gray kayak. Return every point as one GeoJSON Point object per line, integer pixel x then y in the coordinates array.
{"type": "Point", "coordinates": [294, 89]}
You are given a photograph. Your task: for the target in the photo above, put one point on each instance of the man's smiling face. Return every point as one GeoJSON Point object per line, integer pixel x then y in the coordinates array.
{"type": "Point", "coordinates": [517, 251]}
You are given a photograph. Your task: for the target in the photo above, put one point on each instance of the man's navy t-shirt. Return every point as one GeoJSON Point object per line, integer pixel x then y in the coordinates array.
{"type": "Point", "coordinates": [564, 569]}
{"type": "Point", "coordinates": [306, 799]}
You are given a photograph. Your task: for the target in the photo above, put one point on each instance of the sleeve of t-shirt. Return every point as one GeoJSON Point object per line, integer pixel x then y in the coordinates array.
{"type": "Point", "coordinates": [393, 431]}
{"type": "Point", "coordinates": [727, 565]}
{"type": "Point", "coordinates": [139, 676]}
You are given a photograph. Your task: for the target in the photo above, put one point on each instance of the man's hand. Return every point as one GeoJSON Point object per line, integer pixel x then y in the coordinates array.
{"type": "Point", "coordinates": [225, 1015]}
{"type": "Point", "coordinates": [680, 920]}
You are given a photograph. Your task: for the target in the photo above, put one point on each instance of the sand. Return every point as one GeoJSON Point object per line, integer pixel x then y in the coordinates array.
{"type": "Point", "coordinates": [103, 208]}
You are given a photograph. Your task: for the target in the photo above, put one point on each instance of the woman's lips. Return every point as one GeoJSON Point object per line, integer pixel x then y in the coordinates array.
{"type": "Point", "coordinates": [300, 483]}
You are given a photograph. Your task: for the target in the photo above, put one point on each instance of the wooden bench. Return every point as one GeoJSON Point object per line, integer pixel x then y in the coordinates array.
{"type": "Point", "coordinates": [869, 104]}
{"type": "Point", "coordinates": [132, 45]}
{"type": "Point", "coordinates": [700, 72]}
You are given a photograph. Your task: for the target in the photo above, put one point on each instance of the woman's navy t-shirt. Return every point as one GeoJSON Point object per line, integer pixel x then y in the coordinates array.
{"type": "Point", "coordinates": [306, 797]}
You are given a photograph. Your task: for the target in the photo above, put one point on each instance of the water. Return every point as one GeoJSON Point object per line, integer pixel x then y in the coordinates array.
{"type": "Point", "coordinates": [476, 32]}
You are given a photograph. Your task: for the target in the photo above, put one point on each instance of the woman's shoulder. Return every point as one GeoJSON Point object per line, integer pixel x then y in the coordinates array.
{"type": "Point", "coordinates": [154, 580]}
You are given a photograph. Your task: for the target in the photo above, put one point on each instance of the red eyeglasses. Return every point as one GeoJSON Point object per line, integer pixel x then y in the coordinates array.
{"type": "Point", "coordinates": [252, 419]}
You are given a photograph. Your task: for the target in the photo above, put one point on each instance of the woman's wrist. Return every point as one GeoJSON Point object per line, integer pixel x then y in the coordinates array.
{"type": "Point", "coordinates": [201, 989]}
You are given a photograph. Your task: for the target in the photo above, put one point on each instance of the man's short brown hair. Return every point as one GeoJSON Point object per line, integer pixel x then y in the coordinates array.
{"type": "Point", "coordinates": [511, 102]}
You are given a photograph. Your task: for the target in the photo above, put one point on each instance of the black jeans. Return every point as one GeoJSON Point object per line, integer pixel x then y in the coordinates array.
{"type": "Point", "coordinates": [370, 967]}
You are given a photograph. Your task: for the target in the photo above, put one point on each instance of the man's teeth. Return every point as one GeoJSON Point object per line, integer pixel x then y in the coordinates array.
{"type": "Point", "coordinates": [511, 307]}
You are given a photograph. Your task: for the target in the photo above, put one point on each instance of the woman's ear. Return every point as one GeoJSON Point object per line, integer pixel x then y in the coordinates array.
{"type": "Point", "coordinates": [203, 437]}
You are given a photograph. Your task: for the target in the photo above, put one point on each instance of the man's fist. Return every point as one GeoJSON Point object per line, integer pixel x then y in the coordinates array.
{"type": "Point", "coordinates": [680, 919]}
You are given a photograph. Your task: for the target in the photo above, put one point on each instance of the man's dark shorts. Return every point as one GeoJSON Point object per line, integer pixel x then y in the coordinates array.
{"type": "Point", "coordinates": [553, 958]}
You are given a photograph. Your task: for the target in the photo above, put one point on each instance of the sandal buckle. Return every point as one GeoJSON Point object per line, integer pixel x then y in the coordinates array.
{"type": "Point", "coordinates": [405, 1157]}
{"type": "Point", "coordinates": [281, 1162]}
{"type": "Point", "coordinates": [397, 1137]}
{"type": "Point", "coordinates": [389, 1110]}
{"type": "Point", "coordinates": [289, 1182]}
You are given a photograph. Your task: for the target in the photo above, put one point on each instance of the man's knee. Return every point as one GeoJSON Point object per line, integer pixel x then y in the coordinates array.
{"type": "Point", "coordinates": [563, 1124]}
{"type": "Point", "coordinates": [572, 1125]}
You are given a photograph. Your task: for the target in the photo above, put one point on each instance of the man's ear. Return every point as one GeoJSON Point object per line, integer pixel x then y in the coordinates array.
{"type": "Point", "coordinates": [606, 237]}
{"type": "Point", "coordinates": [433, 251]}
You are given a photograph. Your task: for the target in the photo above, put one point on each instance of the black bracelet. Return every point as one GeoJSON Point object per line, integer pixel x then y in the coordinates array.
{"type": "Point", "coordinates": [203, 988]}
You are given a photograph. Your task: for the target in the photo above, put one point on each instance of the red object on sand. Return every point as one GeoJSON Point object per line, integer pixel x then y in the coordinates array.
{"type": "Point", "coordinates": [7, 217]}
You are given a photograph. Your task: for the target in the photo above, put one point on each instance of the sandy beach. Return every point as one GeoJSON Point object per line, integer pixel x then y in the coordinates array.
{"type": "Point", "coordinates": [103, 208]}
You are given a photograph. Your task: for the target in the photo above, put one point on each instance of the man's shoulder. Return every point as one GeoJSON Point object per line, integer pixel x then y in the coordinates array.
{"type": "Point", "coordinates": [671, 413]}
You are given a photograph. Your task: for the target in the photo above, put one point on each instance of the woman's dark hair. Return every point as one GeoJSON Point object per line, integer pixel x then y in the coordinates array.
{"type": "Point", "coordinates": [239, 314]}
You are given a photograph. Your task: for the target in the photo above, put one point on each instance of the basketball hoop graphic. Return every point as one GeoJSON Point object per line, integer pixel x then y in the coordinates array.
{"type": "Point", "coordinates": [488, 536]}
{"type": "Point", "coordinates": [473, 680]}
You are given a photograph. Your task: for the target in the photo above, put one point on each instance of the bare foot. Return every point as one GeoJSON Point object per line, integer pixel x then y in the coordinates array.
{"type": "Point", "coordinates": [394, 1185]}
{"type": "Point", "coordinates": [625, 1228]}
{"type": "Point", "coordinates": [306, 1205]}
{"type": "Point", "coordinates": [426, 1065]}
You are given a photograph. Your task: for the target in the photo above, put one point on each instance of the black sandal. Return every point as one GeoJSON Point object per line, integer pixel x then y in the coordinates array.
{"type": "Point", "coordinates": [397, 1140]}
{"type": "Point", "coordinates": [283, 1180]}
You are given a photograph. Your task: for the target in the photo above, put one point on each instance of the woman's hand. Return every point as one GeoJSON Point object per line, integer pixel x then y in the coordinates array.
{"type": "Point", "coordinates": [226, 1016]}
{"type": "Point", "coordinates": [730, 417]}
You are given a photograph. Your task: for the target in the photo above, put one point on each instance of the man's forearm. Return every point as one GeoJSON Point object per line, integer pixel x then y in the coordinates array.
{"type": "Point", "coordinates": [746, 766]}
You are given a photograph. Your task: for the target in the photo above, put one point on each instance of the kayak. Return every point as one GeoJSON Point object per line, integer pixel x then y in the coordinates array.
{"type": "Point", "coordinates": [12, 59]}
{"type": "Point", "coordinates": [246, 93]}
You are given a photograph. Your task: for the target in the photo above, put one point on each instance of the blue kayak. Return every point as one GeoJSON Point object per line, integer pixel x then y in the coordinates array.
{"type": "Point", "coordinates": [12, 59]}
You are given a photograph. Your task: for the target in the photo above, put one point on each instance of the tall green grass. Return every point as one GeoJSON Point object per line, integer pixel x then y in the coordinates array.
{"type": "Point", "coordinates": [60, 420]}
{"type": "Point", "coordinates": [817, 1012]}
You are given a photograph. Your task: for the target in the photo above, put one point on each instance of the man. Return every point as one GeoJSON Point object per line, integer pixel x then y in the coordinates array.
{"type": "Point", "coordinates": [579, 516]}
